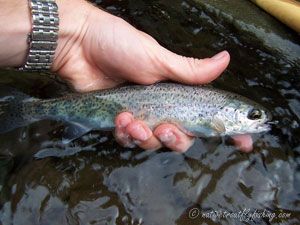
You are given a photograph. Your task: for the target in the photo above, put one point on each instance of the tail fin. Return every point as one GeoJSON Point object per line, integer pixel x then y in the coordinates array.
{"type": "Point", "coordinates": [11, 107]}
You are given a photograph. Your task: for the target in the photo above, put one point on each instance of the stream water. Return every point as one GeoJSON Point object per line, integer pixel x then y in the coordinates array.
{"type": "Point", "coordinates": [93, 180]}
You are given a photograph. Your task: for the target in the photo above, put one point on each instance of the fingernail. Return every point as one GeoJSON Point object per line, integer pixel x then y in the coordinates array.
{"type": "Point", "coordinates": [219, 55]}
{"type": "Point", "coordinates": [140, 133]}
{"type": "Point", "coordinates": [143, 136]}
{"type": "Point", "coordinates": [123, 123]}
{"type": "Point", "coordinates": [167, 137]}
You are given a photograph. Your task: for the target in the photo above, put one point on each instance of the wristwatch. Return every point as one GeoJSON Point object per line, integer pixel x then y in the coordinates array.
{"type": "Point", "coordinates": [42, 39]}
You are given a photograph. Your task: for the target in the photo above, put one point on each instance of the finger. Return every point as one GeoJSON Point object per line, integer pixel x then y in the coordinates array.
{"type": "Point", "coordinates": [173, 138]}
{"type": "Point", "coordinates": [122, 121]}
{"type": "Point", "coordinates": [191, 70]}
{"type": "Point", "coordinates": [142, 135]}
{"type": "Point", "coordinates": [244, 142]}
{"type": "Point", "coordinates": [131, 133]}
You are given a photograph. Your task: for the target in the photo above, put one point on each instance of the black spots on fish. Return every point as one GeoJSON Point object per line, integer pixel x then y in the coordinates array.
{"type": "Point", "coordinates": [193, 98]}
{"type": "Point", "coordinates": [110, 108]}
{"type": "Point", "coordinates": [14, 114]}
{"type": "Point", "coordinates": [202, 114]}
{"type": "Point", "coordinates": [232, 97]}
{"type": "Point", "coordinates": [90, 114]}
{"type": "Point", "coordinates": [149, 95]}
{"type": "Point", "coordinates": [52, 111]}
{"type": "Point", "coordinates": [38, 110]}
{"type": "Point", "coordinates": [80, 107]}
{"type": "Point", "coordinates": [64, 103]}
{"type": "Point", "coordinates": [71, 114]}
{"type": "Point", "coordinates": [162, 95]}
{"type": "Point", "coordinates": [84, 103]}
{"type": "Point", "coordinates": [11, 113]}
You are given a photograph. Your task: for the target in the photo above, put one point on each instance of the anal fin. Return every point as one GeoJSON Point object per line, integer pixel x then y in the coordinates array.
{"type": "Point", "coordinates": [74, 130]}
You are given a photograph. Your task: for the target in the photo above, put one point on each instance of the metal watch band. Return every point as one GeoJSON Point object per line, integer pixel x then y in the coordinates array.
{"type": "Point", "coordinates": [43, 37]}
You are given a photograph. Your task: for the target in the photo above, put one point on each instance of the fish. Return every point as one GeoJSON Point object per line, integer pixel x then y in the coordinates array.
{"type": "Point", "coordinates": [201, 110]}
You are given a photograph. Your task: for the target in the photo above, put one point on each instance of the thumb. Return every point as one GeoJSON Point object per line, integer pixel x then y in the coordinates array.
{"type": "Point", "coordinates": [191, 70]}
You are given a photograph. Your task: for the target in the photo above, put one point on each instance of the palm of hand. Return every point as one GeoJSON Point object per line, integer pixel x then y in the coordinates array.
{"type": "Point", "coordinates": [98, 59]}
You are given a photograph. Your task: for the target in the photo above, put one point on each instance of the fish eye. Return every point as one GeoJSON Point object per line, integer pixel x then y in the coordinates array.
{"type": "Point", "coordinates": [254, 114]}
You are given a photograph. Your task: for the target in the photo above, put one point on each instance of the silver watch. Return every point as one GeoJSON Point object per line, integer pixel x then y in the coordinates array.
{"type": "Point", "coordinates": [43, 37]}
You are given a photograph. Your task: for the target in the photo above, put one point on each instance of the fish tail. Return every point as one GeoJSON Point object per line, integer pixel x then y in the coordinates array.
{"type": "Point", "coordinates": [11, 108]}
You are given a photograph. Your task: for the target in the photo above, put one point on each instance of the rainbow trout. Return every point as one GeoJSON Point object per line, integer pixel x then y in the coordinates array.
{"type": "Point", "coordinates": [197, 110]}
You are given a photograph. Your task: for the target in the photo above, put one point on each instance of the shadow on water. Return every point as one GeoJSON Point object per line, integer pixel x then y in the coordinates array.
{"type": "Point", "coordinates": [95, 181]}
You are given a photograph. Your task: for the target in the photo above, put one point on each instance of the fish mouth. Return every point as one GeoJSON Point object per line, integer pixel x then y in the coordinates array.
{"type": "Point", "coordinates": [263, 126]}
{"type": "Point", "coordinates": [275, 122]}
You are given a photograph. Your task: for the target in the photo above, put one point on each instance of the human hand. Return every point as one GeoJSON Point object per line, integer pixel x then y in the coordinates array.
{"type": "Point", "coordinates": [131, 132]}
{"type": "Point", "coordinates": [97, 50]}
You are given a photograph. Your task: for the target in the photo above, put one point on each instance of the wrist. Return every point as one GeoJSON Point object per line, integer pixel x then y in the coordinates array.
{"type": "Point", "coordinates": [15, 24]}
{"type": "Point", "coordinates": [72, 28]}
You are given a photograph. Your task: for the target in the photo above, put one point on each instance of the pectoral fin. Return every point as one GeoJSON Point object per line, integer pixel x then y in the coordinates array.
{"type": "Point", "coordinates": [218, 125]}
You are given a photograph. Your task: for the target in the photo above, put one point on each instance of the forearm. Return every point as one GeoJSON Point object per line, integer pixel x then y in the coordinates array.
{"type": "Point", "coordinates": [15, 24]}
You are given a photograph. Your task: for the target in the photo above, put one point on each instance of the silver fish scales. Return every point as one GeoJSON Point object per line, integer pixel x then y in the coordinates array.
{"type": "Point", "coordinates": [197, 110]}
